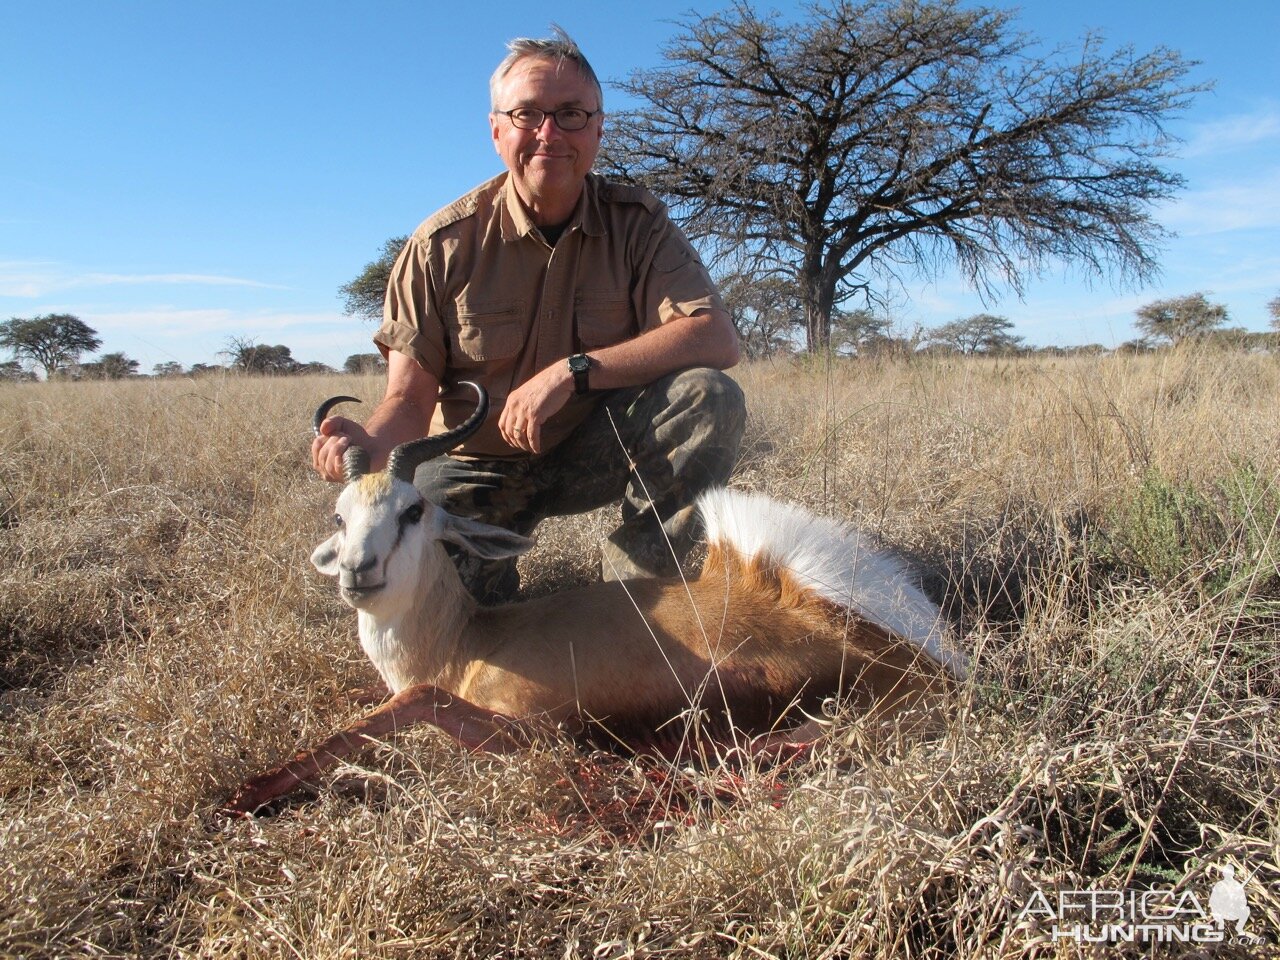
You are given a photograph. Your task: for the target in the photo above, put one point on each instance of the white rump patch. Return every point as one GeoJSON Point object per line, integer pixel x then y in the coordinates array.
{"type": "Point", "coordinates": [835, 561]}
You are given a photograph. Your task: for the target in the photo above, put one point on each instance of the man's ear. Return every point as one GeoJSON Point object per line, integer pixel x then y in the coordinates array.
{"type": "Point", "coordinates": [483, 539]}
{"type": "Point", "coordinates": [325, 557]}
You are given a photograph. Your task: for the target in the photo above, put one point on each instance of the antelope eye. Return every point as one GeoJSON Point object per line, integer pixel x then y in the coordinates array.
{"type": "Point", "coordinates": [338, 521]}
{"type": "Point", "coordinates": [412, 515]}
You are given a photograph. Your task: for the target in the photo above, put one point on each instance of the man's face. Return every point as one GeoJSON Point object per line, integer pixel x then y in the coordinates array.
{"type": "Point", "coordinates": [547, 165]}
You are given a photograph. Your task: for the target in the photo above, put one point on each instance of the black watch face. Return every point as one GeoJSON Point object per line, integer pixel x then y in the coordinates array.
{"type": "Point", "coordinates": [579, 364]}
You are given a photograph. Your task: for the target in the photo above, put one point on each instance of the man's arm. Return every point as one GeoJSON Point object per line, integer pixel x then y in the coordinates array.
{"type": "Point", "coordinates": [705, 339]}
{"type": "Point", "coordinates": [403, 414]}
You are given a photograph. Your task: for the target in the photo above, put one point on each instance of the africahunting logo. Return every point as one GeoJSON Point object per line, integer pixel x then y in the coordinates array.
{"type": "Point", "coordinates": [1143, 916]}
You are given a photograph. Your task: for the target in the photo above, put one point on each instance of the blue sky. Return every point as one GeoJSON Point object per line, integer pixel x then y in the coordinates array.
{"type": "Point", "coordinates": [177, 174]}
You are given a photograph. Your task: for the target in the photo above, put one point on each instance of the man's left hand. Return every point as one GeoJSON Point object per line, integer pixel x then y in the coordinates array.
{"type": "Point", "coordinates": [532, 404]}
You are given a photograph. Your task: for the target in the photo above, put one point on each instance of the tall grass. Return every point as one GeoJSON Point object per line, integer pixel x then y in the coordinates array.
{"type": "Point", "coordinates": [1102, 529]}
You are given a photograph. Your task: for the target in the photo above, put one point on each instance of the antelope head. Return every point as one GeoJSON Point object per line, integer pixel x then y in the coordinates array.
{"type": "Point", "coordinates": [388, 535]}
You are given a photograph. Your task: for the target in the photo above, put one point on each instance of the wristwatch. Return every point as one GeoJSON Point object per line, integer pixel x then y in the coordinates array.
{"type": "Point", "coordinates": [580, 367]}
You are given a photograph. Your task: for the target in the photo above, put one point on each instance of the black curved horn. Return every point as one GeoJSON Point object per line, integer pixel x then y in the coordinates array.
{"type": "Point", "coordinates": [407, 457]}
{"type": "Point", "coordinates": [355, 464]}
{"type": "Point", "coordinates": [323, 411]}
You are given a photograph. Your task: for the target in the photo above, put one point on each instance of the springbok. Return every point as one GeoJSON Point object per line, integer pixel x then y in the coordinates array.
{"type": "Point", "coordinates": [789, 609]}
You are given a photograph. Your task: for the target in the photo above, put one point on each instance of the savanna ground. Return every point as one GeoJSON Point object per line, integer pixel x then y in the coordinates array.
{"type": "Point", "coordinates": [1102, 529]}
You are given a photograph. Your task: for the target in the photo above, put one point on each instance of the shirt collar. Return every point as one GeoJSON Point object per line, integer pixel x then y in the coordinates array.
{"type": "Point", "coordinates": [516, 222]}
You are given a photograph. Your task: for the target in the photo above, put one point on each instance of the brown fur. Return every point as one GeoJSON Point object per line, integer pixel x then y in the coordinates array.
{"type": "Point", "coordinates": [743, 641]}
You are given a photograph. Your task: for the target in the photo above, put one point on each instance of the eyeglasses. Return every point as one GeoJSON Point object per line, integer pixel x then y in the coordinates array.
{"type": "Point", "coordinates": [566, 118]}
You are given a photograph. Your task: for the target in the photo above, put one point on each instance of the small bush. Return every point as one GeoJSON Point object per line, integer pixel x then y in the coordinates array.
{"type": "Point", "coordinates": [1220, 539]}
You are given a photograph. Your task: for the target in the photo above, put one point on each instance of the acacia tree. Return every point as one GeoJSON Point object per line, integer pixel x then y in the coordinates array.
{"type": "Point", "coordinates": [889, 137]}
{"type": "Point", "coordinates": [110, 366]}
{"type": "Point", "coordinates": [363, 296]}
{"type": "Point", "coordinates": [11, 372]}
{"type": "Point", "coordinates": [1273, 307]}
{"type": "Point", "coordinates": [53, 341]}
{"type": "Point", "coordinates": [1179, 318]}
{"type": "Point", "coordinates": [981, 333]}
{"type": "Point", "coordinates": [364, 363]}
{"type": "Point", "coordinates": [853, 331]}
{"type": "Point", "coordinates": [249, 356]}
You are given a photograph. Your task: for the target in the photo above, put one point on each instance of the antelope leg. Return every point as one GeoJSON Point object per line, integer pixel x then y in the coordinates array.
{"type": "Point", "coordinates": [472, 726]}
{"type": "Point", "coordinates": [784, 745]}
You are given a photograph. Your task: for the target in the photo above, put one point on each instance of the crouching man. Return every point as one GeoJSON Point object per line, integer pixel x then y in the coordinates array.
{"type": "Point", "coordinates": [588, 317]}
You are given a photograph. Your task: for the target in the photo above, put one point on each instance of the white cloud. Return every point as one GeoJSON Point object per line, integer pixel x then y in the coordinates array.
{"type": "Point", "coordinates": [1235, 132]}
{"type": "Point", "coordinates": [36, 278]}
{"type": "Point", "coordinates": [200, 279]}
{"type": "Point", "coordinates": [26, 278]}
{"type": "Point", "coordinates": [248, 323]}
{"type": "Point", "coordinates": [1246, 203]}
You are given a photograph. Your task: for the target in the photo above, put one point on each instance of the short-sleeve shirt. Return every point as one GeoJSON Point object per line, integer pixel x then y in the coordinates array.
{"type": "Point", "coordinates": [478, 294]}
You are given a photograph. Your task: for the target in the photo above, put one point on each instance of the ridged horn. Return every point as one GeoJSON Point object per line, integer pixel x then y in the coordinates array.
{"type": "Point", "coordinates": [355, 464]}
{"type": "Point", "coordinates": [322, 411]}
{"type": "Point", "coordinates": [406, 458]}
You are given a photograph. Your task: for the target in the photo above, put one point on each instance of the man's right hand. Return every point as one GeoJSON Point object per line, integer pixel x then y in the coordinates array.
{"type": "Point", "coordinates": [337, 434]}
{"type": "Point", "coordinates": [403, 414]}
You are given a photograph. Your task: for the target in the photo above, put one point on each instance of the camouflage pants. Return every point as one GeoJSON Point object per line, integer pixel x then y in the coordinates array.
{"type": "Point", "coordinates": [654, 447]}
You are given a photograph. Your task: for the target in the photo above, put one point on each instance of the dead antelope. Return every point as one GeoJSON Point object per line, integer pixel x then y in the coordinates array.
{"type": "Point", "coordinates": [789, 609]}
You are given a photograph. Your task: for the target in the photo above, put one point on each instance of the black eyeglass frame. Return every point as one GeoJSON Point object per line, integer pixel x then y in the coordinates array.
{"type": "Point", "coordinates": [553, 114]}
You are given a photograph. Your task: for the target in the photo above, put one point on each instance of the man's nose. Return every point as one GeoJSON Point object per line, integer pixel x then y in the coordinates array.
{"type": "Point", "coordinates": [550, 130]}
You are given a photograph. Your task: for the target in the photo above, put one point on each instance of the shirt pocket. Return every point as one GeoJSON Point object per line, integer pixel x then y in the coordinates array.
{"type": "Point", "coordinates": [603, 318]}
{"type": "Point", "coordinates": [484, 333]}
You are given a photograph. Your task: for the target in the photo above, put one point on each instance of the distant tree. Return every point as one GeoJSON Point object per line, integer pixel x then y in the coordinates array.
{"type": "Point", "coordinates": [764, 312]}
{"type": "Point", "coordinates": [363, 296]}
{"type": "Point", "coordinates": [853, 330]}
{"type": "Point", "coordinates": [1079, 350]}
{"type": "Point", "coordinates": [204, 369]}
{"type": "Point", "coordinates": [248, 356]}
{"type": "Point", "coordinates": [1240, 338]}
{"type": "Point", "coordinates": [270, 359]}
{"type": "Point", "coordinates": [888, 345]}
{"type": "Point", "coordinates": [1229, 338]}
{"type": "Point", "coordinates": [11, 371]}
{"type": "Point", "coordinates": [364, 363]}
{"type": "Point", "coordinates": [110, 366]}
{"type": "Point", "coordinates": [169, 368]}
{"type": "Point", "coordinates": [871, 139]}
{"type": "Point", "coordinates": [1273, 307]}
{"type": "Point", "coordinates": [314, 366]}
{"type": "Point", "coordinates": [936, 348]}
{"type": "Point", "coordinates": [1178, 318]}
{"type": "Point", "coordinates": [53, 341]}
{"type": "Point", "coordinates": [981, 333]}
{"type": "Point", "coordinates": [1136, 345]}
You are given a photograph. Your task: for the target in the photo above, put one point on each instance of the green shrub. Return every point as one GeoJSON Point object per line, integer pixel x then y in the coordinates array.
{"type": "Point", "coordinates": [1221, 538]}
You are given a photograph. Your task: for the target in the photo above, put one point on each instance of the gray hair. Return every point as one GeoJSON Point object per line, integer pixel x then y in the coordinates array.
{"type": "Point", "coordinates": [559, 47]}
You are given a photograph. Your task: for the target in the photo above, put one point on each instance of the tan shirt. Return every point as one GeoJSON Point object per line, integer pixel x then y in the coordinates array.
{"type": "Point", "coordinates": [478, 294]}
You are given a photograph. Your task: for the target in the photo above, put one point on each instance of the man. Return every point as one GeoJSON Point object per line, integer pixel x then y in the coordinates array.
{"type": "Point", "coordinates": [587, 316]}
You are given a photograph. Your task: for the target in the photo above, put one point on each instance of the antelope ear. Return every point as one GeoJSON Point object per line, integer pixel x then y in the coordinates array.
{"type": "Point", "coordinates": [325, 557]}
{"type": "Point", "coordinates": [483, 539]}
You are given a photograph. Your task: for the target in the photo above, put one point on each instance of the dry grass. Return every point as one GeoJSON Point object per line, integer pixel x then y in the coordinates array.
{"type": "Point", "coordinates": [162, 638]}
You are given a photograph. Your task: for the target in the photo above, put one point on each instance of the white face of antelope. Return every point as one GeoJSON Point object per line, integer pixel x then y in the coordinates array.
{"type": "Point", "coordinates": [384, 536]}
{"type": "Point", "coordinates": [377, 550]}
